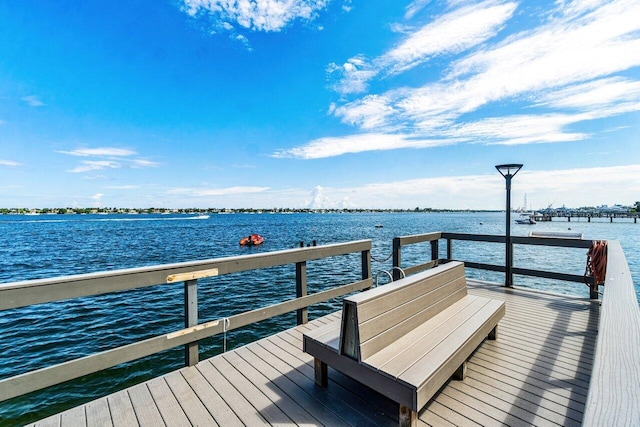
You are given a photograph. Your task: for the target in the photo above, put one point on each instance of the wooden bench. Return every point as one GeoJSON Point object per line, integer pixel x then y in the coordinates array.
{"type": "Point", "coordinates": [407, 338]}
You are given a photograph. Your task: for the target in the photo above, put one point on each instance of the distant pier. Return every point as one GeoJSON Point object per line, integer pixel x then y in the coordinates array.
{"type": "Point", "coordinates": [546, 217]}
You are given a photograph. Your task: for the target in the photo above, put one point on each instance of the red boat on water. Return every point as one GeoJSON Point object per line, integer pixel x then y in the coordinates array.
{"type": "Point", "coordinates": [252, 240]}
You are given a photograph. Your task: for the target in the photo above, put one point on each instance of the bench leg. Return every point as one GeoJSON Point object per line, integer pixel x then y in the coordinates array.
{"type": "Point", "coordinates": [461, 372]}
{"type": "Point", "coordinates": [320, 369]}
{"type": "Point", "coordinates": [407, 417]}
{"type": "Point", "coordinates": [493, 335]}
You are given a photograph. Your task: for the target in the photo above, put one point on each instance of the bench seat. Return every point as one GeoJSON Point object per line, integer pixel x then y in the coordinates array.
{"type": "Point", "coordinates": [407, 338]}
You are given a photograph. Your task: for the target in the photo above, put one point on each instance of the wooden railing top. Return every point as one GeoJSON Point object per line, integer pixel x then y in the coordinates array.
{"type": "Point", "coordinates": [614, 390]}
{"type": "Point", "coordinates": [20, 294]}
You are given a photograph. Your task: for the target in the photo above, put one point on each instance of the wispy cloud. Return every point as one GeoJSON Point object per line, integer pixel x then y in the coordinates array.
{"type": "Point", "coordinates": [143, 163]}
{"type": "Point", "coordinates": [9, 163]}
{"type": "Point", "coordinates": [108, 158]}
{"type": "Point", "coordinates": [569, 69]}
{"type": "Point", "coordinates": [122, 187]}
{"type": "Point", "coordinates": [257, 15]}
{"type": "Point", "coordinates": [208, 192]}
{"type": "Point", "coordinates": [94, 165]}
{"type": "Point", "coordinates": [415, 7]}
{"type": "Point", "coordinates": [451, 33]}
{"type": "Point", "coordinates": [33, 101]}
{"type": "Point", "coordinates": [100, 152]}
{"type": "Point", "coordinates": [330, 147]}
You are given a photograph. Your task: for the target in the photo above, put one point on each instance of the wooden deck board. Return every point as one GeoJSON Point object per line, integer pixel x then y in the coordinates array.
{"type": "Point", "coordinates": [98, 414]}
{"type": "Point", "coordinates": [143, 404]}
{"type": "Point", "coordinates": [537, 372]}
{"type": "Point", "coordinates": [215, 404]}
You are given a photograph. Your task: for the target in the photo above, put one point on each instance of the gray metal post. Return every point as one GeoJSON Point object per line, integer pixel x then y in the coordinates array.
{"type": "Point", "coordinates": [508, 280]}
{"type": "Point", "coordinates": [302, 314]}
{"type": "Point", "coordinates": [191, 319]}
{"type": "Point", "coordinates": [508, 171]}
{"type": "Point", "coordinates": [397, 257]}
{"type": "Point", "coordinates": [435, 250]}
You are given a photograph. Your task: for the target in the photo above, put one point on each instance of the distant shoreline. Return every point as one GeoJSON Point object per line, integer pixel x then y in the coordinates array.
{"type": "Point", "coordinates": [161, 211]}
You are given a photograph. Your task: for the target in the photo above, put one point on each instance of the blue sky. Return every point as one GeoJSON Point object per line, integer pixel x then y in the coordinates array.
{"type": "Point", "coordinates": [326, 103]}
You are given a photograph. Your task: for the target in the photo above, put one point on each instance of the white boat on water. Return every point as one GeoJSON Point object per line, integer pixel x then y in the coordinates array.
{"type": "Point", "coordinates": [526, 218]}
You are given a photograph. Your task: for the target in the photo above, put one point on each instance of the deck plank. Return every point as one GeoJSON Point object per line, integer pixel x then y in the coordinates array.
{"type": "Point", "coordinates": [98, 414]}
{"type": "Point", "coordinates": [537, 372]}
{"type": "Point", "coordinates": [75, 417]}
{"type": "Point", "coordinates": [167, 404]}
{"type": "Point", "coordinates": [122, 413]}
{"type": "Point", "coordinates": [329, 410]}
{"type": "Point", "coordinates": [236, 401]}
{"type": "Point", "coordinates": [146, 410]}
{"type": "Point", "coordinates": [215, 404]}
{"type": "Point", "coordinates": [188, 400]}
{"type": "Point", "coordinates": [375, 409]}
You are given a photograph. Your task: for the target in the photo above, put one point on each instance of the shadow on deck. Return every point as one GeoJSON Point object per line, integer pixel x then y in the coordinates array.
{"type": "Point", "coordinates": [536, 373]}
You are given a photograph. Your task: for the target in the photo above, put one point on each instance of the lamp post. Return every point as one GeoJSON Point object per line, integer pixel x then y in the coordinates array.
{"type": "Point", "coordinates": [508, 172]}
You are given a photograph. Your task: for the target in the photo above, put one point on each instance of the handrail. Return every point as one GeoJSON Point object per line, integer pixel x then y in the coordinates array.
{"type": "Point", "coordinates": [30, 292]}
{"type": "Point", "coordinates": [614, 389]}
{"type": "Point", "coordinates": [20, 294]}
{"type": "Point", "coordinates": [488, 238]}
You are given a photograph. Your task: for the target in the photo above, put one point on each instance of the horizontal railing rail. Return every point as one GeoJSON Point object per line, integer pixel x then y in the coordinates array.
{"type": "Point", "coordinates": [614, 389]}
{"type": "Point", "coordinates": [434, 238]}
{"type": "Point", "coordinates": [20, 294]}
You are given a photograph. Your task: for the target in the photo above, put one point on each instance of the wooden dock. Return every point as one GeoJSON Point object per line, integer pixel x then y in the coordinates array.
{"type": "Point", "coordinates": [536, 373]}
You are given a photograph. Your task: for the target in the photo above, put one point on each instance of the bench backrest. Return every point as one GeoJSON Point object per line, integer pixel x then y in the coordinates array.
{"type": "Point", "coordinates": [373, 319]}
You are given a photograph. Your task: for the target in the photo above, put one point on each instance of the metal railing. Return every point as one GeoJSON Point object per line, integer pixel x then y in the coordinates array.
{"type": "Point", "coordinates": [434, 239]}
{"type": "Point", "coordinates": [26, 293]}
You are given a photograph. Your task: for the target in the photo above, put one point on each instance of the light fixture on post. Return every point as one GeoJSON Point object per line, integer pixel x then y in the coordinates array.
{"type": "Point", "coordinates": [508, 172]}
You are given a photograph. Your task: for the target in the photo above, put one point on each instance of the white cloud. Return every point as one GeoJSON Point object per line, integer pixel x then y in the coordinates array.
{"type": "Point", "coordinates": [318, 199]}
{"type": "Point", "coordinates": [258, 15]}
{"type": "Point", "coordinates": [9, 163]}
{"type": "Point", "coordinates": [565, 71]}
{"type": "Point", "coordinates": [108, 158]}
{"type": "Point", "coordinates": [100, 152]}
{"type": "Point", "coordinates": [575, 187]}
{"type": "Point", "coordinates": [33, 101]}
{"type": "Point", "coordinates": [94, 165]}
{"type": "Point", "coordinates": [330, 147]}
{"type": "Point", "coordinates": [608, 92]}
{"type": "Point", "coordinates": [451, 33]}
{"type": "Point", "coordinates": [122, 187]}
{"type": "Point", "coordinates": [415, 7]}
{"type": "Point", "coordinates": [208, 192]}
{"type": "Point", "coordinates": [97, 198]}
{"type": "Point", "coordinates": [142, 163]}
{"type": "Point", "coordinates": [514, 130]}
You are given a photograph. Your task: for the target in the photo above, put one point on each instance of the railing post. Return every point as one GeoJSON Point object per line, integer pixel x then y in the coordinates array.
{"type": "Point", "coordinates": [302, 314]}
{"type": "Point", "coordinates": [191, 319]}
{"type": "Point", "coordinates": [449, 249]}
{"type": "Point", "coordinates": [366, 264]}
{"type": "Point", "coordinates": [511, 266]}
{"type": "Point", "coordinates": [435, 251]}
{"type": "Point", "coordinates": [397, 257]}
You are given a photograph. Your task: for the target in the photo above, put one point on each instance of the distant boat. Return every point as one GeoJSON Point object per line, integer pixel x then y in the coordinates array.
{"type": "Point", "coordinates": [200, 217]}
{"type": "Point", "coordinates": [378, 226]}
{"type": "Point", "coordinates": [252, 240]}
{"type": "Point", "coordinates": [526, 218]}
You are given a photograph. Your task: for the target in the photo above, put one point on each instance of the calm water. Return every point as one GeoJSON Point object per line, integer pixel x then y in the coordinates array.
{"type": "Point", "coordinates": [47, 246]}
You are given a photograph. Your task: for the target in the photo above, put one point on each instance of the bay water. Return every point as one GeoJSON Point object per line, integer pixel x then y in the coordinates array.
{"type": "Point", "coordinates": [46, 246]}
